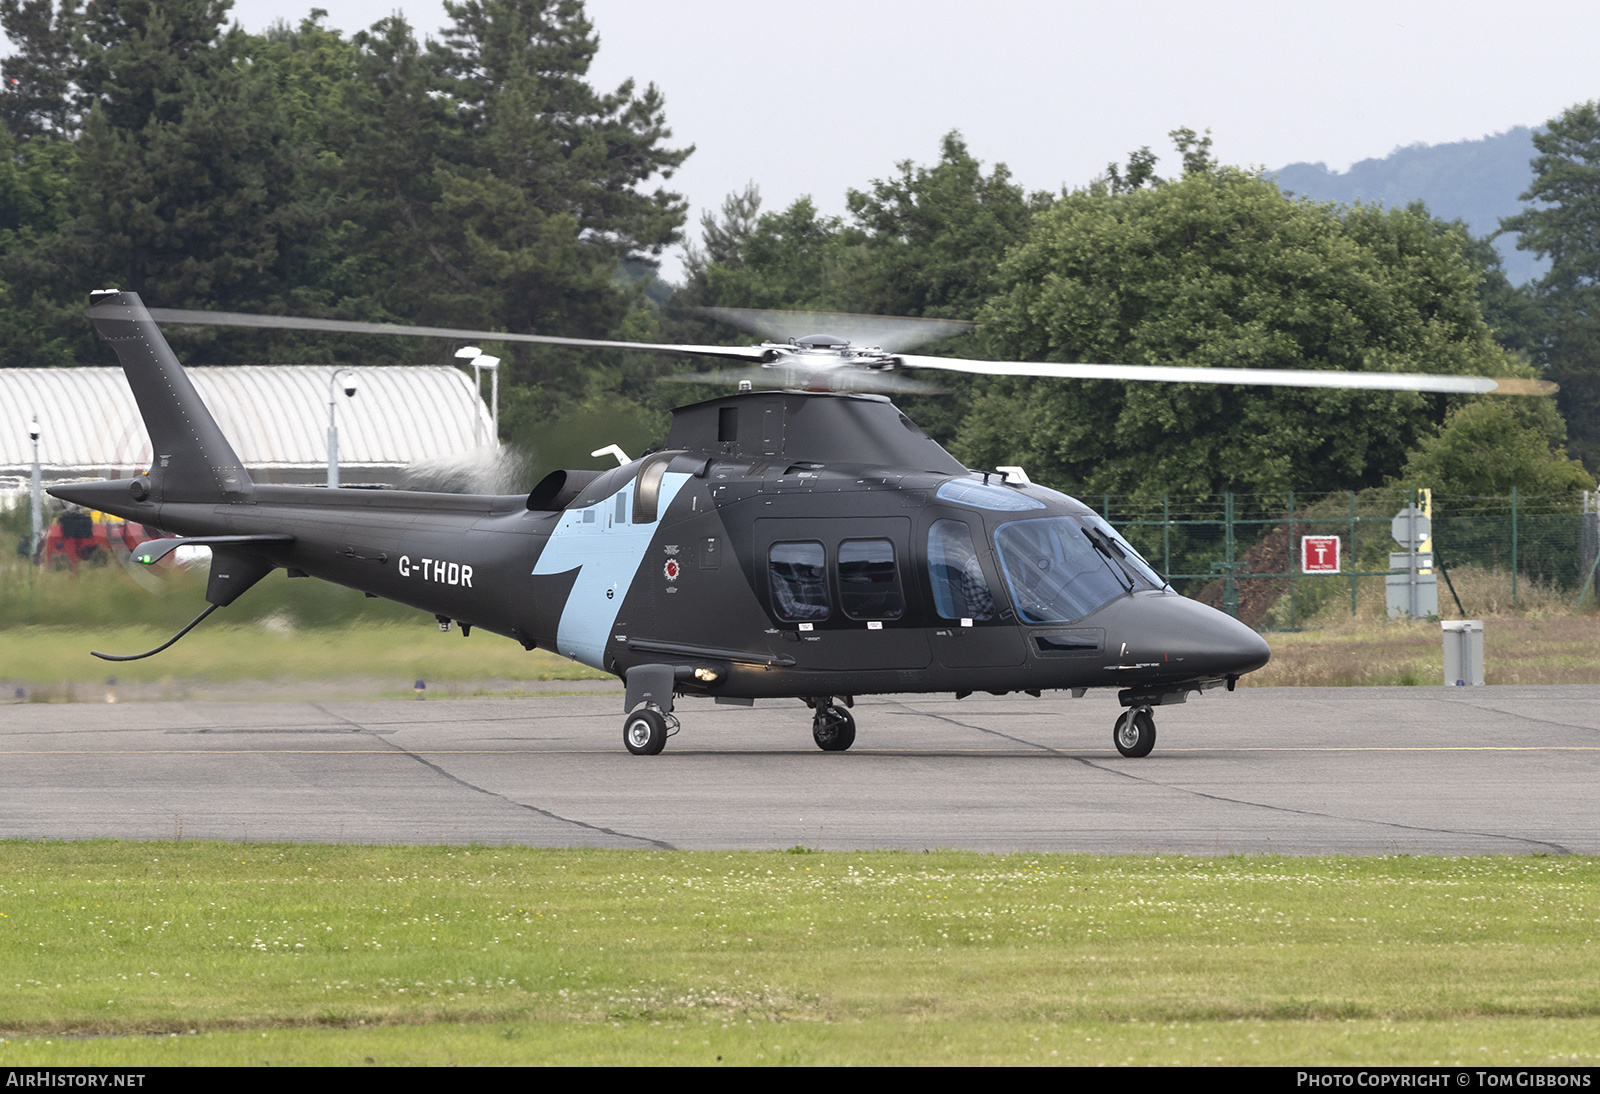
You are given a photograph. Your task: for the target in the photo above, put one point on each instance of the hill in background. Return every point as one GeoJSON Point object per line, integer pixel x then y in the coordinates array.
{"type": "Point", "coordinates": [1474, 181]}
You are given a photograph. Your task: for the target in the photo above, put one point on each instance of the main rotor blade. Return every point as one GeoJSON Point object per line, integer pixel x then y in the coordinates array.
{"type": "Point", "coordinates": [887, 332]}
{"type": "Point", "coordinates": [1272, 377]}
{"type": "Point", "coordinates": [345, 326]}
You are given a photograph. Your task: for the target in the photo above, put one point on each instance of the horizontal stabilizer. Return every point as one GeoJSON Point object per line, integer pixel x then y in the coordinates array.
{"type": "Point", "coordinates": [152, 551]}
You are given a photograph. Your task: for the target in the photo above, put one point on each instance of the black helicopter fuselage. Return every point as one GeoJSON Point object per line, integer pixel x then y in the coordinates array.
{"type": "Point", "coordinates": [782, 544]}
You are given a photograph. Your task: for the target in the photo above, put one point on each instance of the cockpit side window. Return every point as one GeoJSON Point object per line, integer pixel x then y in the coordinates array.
{"type": "Point", "coordinates": [959, 588]}
{"type": "Point", "coordinates": [798, 577]}
{"type": "Point", "coordinates": [869, 585]}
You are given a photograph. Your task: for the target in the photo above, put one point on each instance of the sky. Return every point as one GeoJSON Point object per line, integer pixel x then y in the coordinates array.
{"type": "Point", "coordinates": [819, 97]}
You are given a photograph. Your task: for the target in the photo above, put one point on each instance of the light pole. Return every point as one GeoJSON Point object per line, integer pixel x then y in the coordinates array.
{"type": "Point", "coordinates": [492, 366]}
{"type": "Point", "coordinates": [481, 362]}
{"type": "Point", "coordinates": [38, 489]}
{"type": "Point", "coordinates": [333, 428]}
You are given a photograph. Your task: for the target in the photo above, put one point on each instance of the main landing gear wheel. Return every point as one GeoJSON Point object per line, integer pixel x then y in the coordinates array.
{"type": "Point", "coordinates": [833, 728]}
{"type": "Point", "coordinates": [645, 732]}
{"type": "Point", "coordinates": [1135, 732]}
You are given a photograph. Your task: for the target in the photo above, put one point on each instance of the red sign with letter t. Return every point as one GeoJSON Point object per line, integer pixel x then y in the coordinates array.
{"type": "Point", "coordinates": [1319, 554]}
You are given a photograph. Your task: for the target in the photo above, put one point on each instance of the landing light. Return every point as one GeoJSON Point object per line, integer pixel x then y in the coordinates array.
{"type": "Point", "coordinates": [708, 675]}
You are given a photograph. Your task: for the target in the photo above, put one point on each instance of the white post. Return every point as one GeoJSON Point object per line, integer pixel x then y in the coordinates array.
{"type": "Point", "coordinates": [477, 390]}
{"type": "Point", "coordinates": [1411, 548]}
{"type": "Point", "coordinates": [480, 361]}
{"type": "Point", "coordinates": [38, 489]}
{"type": "Point", "coordinates": [333, 428]}
{"type": "Point", "coordinates": [492, 364]}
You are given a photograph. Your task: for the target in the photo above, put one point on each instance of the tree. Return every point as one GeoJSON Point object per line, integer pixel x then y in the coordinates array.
{"type": "Point", "coordinates": [38, 91]}
{"type": "Point", "coordinates": [1140, 172]}
{"type": "Point", "coordinates": [924, 242]}
{"type": "Point", "coordinates": [179, 171]}
{"type": "Point", "coordinates": [37, 199]}
{"type": "Point", "coordinates": [475, 181]}
{"type": "Point", "coordinates": [724, 237]}
{"type": "Point", "coordinates": [182, 172]}
{"type": "Point", "coordinates": [1489, 446]}
{"type": "Point", "coordinates": [1219, 268]}
{"type": "Point", "coordinates": [934, 236]}
{"type": "Point", "coordinates": [1195, 149]}
{"type": "Point", "coordinates": [500, 187]}
{"type": "Point", "coordinates": [792, 260]}
{"type": "Point", "coordinates": [1564, 226]}
{"type": "Point", "coordinates": [1515, 315]}
{"type": "Point", "coordinates": [517, 71]}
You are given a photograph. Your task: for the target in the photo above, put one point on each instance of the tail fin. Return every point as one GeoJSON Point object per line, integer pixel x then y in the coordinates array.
{"type": "Point", "coordinates": [193, 461]}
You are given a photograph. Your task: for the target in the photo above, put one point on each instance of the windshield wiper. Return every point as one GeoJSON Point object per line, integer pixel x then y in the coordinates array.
{"type": "Point", "coordinates": [1113, 549]}
{"type": "Point", "coordinates": [1114, 555]}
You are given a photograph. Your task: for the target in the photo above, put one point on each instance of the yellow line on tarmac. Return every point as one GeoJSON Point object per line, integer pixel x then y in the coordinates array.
{"type": "Point", "coordinates": [1395, 748]}
{"type": "Point", "coordinates": [296, 751]}
{"type": "Point", "coordinates": [746, 751]}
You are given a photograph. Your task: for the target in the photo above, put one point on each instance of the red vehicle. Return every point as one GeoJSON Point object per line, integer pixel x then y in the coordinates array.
{"type": "Point", "coordinates": [78, 537]}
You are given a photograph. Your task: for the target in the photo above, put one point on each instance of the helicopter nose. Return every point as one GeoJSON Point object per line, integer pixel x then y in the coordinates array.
{"type": "Point", "coordinates": [1167, 629]}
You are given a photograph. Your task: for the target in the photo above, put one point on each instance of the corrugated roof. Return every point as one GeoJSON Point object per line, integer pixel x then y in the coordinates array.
{"type": "Point", "coordinates": [276, 416]}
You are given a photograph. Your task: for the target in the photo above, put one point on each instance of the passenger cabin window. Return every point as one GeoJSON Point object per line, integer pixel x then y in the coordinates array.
{"type": "Point", "coordinates": [869, 585]}
{"type": "Point", "coordinates": [959, 588]}
{"type": "Point", "coordinates": [798, 573]}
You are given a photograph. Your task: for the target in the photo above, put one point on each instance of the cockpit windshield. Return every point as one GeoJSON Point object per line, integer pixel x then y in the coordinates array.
{"type": "Point", "coordinates": [1060, 569]}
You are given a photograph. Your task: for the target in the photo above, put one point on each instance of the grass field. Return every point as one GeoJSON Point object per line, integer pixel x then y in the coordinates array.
{"type": "Point", "coordinates": [283, 632]}
{"type": "Point", "coordinates": [45, 658]}
{"type": "Point", "coordinates": [1364, 652]}
{"type": "Point", "coordinates": [158, 953]}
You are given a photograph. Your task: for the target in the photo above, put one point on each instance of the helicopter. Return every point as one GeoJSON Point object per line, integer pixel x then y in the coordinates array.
{"type": "Point", "coordinates": [800, 539]}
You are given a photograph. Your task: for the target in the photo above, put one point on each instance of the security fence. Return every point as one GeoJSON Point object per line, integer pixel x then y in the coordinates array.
{"type": "Point", "coordinates": [1247, 553]}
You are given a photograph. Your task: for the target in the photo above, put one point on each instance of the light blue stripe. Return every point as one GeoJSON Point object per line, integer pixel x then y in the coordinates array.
{"type": "Point", "coordinates": [607, 557]}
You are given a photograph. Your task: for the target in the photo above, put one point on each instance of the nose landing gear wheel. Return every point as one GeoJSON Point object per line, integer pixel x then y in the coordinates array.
{"type": "Point", "coordinates": [1135, 733]}
{"type": "Point", "coordinates": [833, 728]}
{"type": "Point", "coordinates": [644, 732]}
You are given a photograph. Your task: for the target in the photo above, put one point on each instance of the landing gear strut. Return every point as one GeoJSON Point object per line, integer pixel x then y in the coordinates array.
{"type": "Point", "coordinates": [832, 727]}
{"type": "Point", "coordinates": [1135, 732]}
